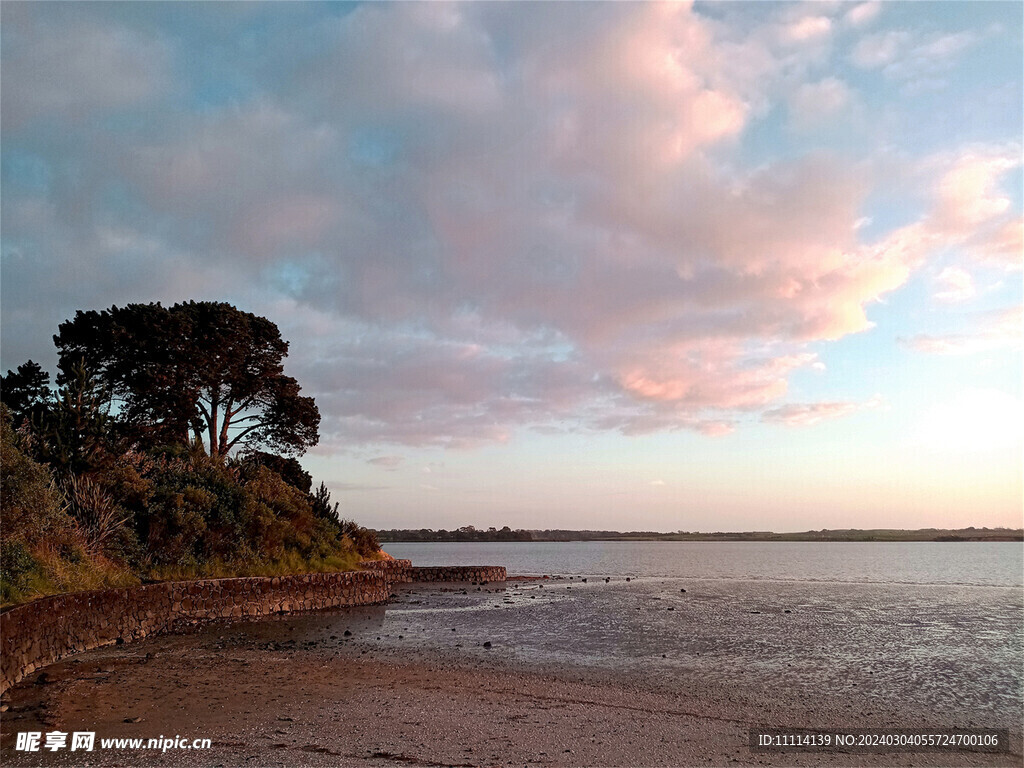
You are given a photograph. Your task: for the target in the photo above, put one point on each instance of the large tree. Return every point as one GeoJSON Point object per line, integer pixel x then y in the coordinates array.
{"type": "Point", "coordinates": [202, 370]}
{"type": "Point", "coordinates": [26, 391]}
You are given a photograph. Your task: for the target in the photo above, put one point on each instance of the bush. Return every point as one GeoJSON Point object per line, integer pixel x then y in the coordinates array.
{"type": "Point", "coordinates": [99, 518]}
{"type": "Point", "coordinates": [363, 539]}
{"type": "Point", "coordinates": [17, 570]}
{"type": "Point", "coordinates": [32, 506]}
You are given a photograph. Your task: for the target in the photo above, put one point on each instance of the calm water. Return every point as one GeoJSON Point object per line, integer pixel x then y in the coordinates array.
{"type": "Point", "coordinates": [964, 563]}
{"type": "Point", "coordinates": [939, 626]}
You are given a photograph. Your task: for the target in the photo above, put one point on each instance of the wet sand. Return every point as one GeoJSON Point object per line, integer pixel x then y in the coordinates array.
{"type": "Point", "coordinates": [299, 692]}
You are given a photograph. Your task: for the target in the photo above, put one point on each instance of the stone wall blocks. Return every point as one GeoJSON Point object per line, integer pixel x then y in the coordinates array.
{"type": "Point", "coordinates": [39, 632]}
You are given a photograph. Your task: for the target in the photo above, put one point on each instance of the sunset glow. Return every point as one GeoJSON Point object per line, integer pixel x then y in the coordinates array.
{"type": "Point", "coordinates": [698, 266]}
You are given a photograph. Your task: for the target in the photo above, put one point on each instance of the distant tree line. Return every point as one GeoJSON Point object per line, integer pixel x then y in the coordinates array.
{"type": "Point", "coordinates": [166, 450]}
{"type": "Point", "coordinates": [466, 533]}
{"type": "Point", "coordinates": [470, 533]}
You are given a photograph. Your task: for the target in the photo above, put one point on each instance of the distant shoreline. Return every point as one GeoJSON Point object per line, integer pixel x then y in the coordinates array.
{"type": "Point", "coordinates": [471, 535]}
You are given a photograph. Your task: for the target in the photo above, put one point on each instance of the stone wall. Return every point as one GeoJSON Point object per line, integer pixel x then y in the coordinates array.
{"type": "Point", "coordinates": [403, 571]}
{"type": "Point", "coordinates": [471, 573]}
{"type": "Point", "coordinates": [384, 565]}
{"type": "Point", "coordinates": [41, 632]}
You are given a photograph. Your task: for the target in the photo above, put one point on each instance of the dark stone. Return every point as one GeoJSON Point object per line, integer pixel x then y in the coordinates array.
{"type": "Point", "coordinates": [487, 644]}
{"type": "Point", "coordinates": [348, 633]}
{"type": "Point", "coordinates": [119, 641]}
{"type": "Point", "coordinates": [682, 590]}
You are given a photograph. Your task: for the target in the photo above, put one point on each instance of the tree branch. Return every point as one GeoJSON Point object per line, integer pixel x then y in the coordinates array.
{"type": "Point", "coordinates": [243, 433]}
{"type": "Point", "coordinates": [250, 417]}
{"type": "Point", "coordinates": [241, 406]}
{"type": "Point", "coordinates": [224, 427]}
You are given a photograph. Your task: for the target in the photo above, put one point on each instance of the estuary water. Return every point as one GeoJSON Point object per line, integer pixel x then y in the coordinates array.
{"type": "Point", "coordinates": [937, 627]}
{"type": "Point", "coordinates": [999, 564]}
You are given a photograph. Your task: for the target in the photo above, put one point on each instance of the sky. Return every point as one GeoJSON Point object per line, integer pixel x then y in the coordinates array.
{"type": "Point", "coordinates": [709, 266]}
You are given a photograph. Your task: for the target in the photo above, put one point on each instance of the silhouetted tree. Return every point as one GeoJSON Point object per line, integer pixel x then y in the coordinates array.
{"type": "Point", "coordinates": [202, 369]}
{"type": "Point", "coordinates": [26, 392]}
{"type": "Point", "coordinates": [288, 468]}
{"type": "Point", "coordinates": [75, 430]}
{"type": "Point", "coordinates": [322, 507]}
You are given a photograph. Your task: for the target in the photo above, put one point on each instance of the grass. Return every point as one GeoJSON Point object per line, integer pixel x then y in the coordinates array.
{"type": "Point", "coordinates": [291, 564]}
{"type": "Point", "coordinates": [43, 571]}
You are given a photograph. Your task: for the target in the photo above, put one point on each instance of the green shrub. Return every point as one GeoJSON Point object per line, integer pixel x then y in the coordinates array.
{"type": "Point", "coordinates": [17, 570]}
{"type": "Point", "coordinates": [32, 506]}
{"type": "Point", "coordinates": [363, 539]}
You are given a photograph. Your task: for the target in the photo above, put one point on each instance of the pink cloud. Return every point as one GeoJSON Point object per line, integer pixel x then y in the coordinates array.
{"type": "Point", "coordinates": [973, 210]}
{"type": "Point", "coordinates": [806, 414]}
{"type": "Point", "coordinates": [989, 331]}
{"type": "Point", "coordinates": [469, 224]}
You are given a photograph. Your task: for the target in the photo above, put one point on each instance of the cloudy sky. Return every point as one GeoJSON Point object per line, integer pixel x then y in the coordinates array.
{"type": "Point", "coordinates": [715, 266]}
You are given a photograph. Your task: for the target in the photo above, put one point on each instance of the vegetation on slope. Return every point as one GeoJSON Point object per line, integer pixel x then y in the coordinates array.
{"type": "Point", "coordinates": [139, 467]}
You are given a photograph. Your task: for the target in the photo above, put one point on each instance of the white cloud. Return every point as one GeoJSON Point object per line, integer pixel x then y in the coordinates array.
{"type": "Point", "coordinates": [916, 60]}
{"type": "Point", "coordinates": [863, 13]}
{"type": "Point", "coordinates": [389, 463]}
{"type": "Point", "coordinates": [815, 104]}
{"type": "Point", "coordinates": [987, 332]}
{"type": "Point", "coordinates": [809, 28]}
{"type": "Point", "coordinates": [954, 285]}
{"type": "Point", "coordinates": [807, 414]}
{"type": "Point", "coordinates": [68, 69]}
{"type": "Point", "coordinates": [877, 50]}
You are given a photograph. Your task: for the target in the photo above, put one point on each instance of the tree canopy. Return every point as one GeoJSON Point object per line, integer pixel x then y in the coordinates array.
{"type": "Point", "coordinates": [25, 391]}
{"type": "Point", "coordinates": [197, 370]}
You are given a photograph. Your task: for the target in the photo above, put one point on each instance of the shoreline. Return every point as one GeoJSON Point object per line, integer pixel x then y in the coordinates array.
{"type": "Point", "coordinates": [297, 691]}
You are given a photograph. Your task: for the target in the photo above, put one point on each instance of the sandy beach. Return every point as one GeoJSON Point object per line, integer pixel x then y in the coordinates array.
{"type": "Point", "coordinates": [298, 691]}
